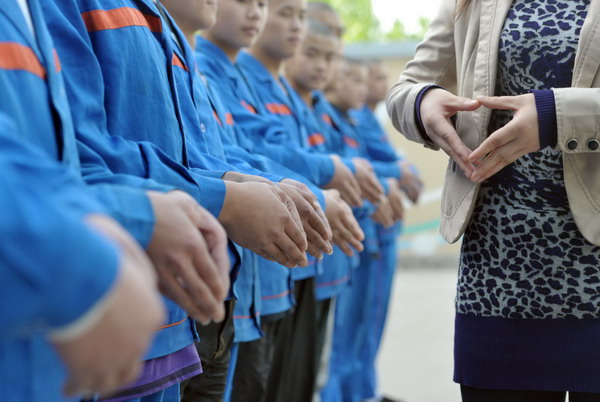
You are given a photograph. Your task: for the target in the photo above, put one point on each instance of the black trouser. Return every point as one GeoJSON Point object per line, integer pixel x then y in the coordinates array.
{"type": "Point", "coordinates": [254, 361]}
{"type": "Point", "coordinates": [282, 365]}
{"type": "Point", "coordinates": [294, 371]}
{"type": "Point", "coordinates": [490, 395]}
{"type": "Point", "coordinates": [322, 317]}
{"type": "Point", "coordinates": [214, 349]}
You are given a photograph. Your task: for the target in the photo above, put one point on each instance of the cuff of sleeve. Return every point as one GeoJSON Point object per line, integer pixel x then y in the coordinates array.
{"type": "Point", "coordinates": [82, 324]}
{"type": "Point", "coordinates": [213, 174]}
{"type": "Point", "coordinates": [212, 194]}
{"type": "Point", "coordinates": [418, 111]}
{"type": "Point", "coordinates": [326, 169]}
{"type": "Point", "coordinates": [87, 276]}
{"type": "Point", "coordinates": [387, 169]}
{"type": "Point", "coordinates": [385, 185]}
{"type": "Point", "coordinates": [349, 164]}
{"type": "Point", "coordinates": [131, 208]}
{"type": "Point", "coordinates": [273, 178]}
{"type": "Point", "coordinates": [546, 110]}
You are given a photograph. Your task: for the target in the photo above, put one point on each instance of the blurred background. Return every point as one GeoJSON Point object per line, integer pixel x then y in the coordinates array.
{"type": "Point", "coordinates": [415, 362]}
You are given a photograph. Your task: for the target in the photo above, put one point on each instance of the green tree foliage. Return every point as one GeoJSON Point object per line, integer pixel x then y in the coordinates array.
{"type": "Point", "coordinates": [363, 26]}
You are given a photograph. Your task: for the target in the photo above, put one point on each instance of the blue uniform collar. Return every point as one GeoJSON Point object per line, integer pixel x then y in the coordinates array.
{"type": "Point", "coordinates": [209, 51]}
{"type": "Point", "coordinates": [259, 70]}
{"type": "Point", "coordinates": [13, 13]}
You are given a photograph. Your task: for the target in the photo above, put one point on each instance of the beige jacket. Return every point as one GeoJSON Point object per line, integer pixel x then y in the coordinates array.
{"type": "Point", "coordinates": [462, 56]}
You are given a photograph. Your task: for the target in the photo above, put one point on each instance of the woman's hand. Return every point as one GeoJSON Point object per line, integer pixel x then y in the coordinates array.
{"type": "Point", "coordinates": [507, 144]}
{"type": "Point", "coordinates": [437, 107]}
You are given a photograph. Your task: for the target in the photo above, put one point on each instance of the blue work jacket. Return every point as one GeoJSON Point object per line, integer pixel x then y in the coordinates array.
{"type": "Point", "coordinates": [346, 140]}
{"type": "Point", "coordinates": [382, 156]}
{"type": "Point", "coordinates": [271, 100]}
{"type": "Point", "coordinates": [225, 79]}
{"type": "Point", "coordinates": [337, 268]}
{"type": "Point", "coordinates": [43, 239]}
{"type": "Point", "coordinates": [121, 73]}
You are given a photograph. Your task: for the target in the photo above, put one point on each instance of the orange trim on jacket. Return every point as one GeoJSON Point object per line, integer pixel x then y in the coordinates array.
{"type": "Point", "coordinates": [101, 20]}
{"type": "Point", "coordinates": [14, 56]}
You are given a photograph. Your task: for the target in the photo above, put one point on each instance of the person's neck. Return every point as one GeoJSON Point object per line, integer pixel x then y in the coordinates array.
{"type": "Point", "coordinates": [271, 64]}
{"type": "Point", "coordinates": [372, 105]}
{"type": "Point", "coordinates": [230, 52]}
{"type": "Point", "coordinates": [189, 34]}
{"type": "Point", "coordinates": [335, 102]}
{"type": "Point", "coordinates": [304, 93]}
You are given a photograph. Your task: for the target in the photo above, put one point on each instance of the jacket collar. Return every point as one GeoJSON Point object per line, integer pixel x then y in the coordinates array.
{"type": "Point", "coordinates": [12, 11]}
{"type": "Point", "coordinates": [259, 71]}
{"type": "Point", "coordinates": [208, 52]}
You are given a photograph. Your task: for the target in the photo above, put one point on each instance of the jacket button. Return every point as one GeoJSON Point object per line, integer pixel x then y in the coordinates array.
{"type": "Point", "coordinates": [572, 144]}
{"type": "Point", "coordinates": [593, 144]}
{"type": "Point", "coordinates": [203, 128]}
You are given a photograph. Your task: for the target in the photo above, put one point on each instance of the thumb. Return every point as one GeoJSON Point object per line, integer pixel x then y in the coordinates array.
{"type": "Point", "coordinates": [465, 104]}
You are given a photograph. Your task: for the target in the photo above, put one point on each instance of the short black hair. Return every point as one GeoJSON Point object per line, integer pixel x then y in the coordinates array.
{"type": "Point", "coordinates": [317, 6]}
{"type": "Point", "coordinates": [317, 27]}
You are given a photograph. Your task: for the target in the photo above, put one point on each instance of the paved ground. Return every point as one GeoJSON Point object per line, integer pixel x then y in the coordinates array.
{"type": "Point", "coordinates": [415, 362]}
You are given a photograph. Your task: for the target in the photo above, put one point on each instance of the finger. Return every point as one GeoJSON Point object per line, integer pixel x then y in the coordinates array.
{"type": "Point", "coordinates": [216, 241]}
{"type": "Point", "coordinates": [351, 195]}
{"type": "Point", "coordinates": [350, 223]}
{"type": "Point", "coordinates": [497, 139]}
{"type": "Point", "coordinates": [279, 256]}
{"type": "Point", "coordinates": [174, 290]}
{"type": "Point", "coordinates": [373, 193]}
{"type": "Point", "coordinates": [345, 247]}
{"type": "Point", "coordinates": [314, 251]}
{"type": "Point", "coordinates": [296, 231]}
{"type": "Point", "coordinates": [459, 103]}
{"type": "Point", "coordinates": [318, 222]}
{"type": "Point", "coordinates": [203, 285]}
{"type": "Point", "coordinates": [207, 275]}
{"type": "Point", "coordinates": [411, 192]}
{"type": "Point", "coordinates": [498, 160]}
{"type": "Point", "coordinates": [328, 235]}
{"type": "Point", "coordinates": [294, 245]}
{"type": "Point", "coordinates": [316, 233]}
{"type": "Point", "coordinates": [346, 235]}
{"type": "Point", "coordinates": [499, 102]}
{"type": "Point", "coordinates": [316, 242]}
{"type": "Point", "coordinates": [265, 255]}
{"type": "Point", "coordinates": [450, 142]}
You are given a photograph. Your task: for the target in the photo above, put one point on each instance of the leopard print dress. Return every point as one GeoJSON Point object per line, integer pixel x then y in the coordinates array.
{"type": "Point", "coordinates": [524, 264]}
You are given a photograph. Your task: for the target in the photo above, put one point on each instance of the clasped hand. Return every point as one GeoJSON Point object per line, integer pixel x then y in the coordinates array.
{"type": "Point", "coordinates": [502, 147]}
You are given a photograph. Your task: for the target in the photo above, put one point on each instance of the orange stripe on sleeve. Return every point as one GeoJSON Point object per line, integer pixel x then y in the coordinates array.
{"type": "Point", "coordinates": [327, 119]}
{"type": "Point", "coordinates": [351, 142]}
{"type": "Point", "coordinates": [316, 139]}
{"type": "Point", "coordinates": [14, 56]}
{"type": "Point", "coordinates": [249, 107]}
{"type": "Point", "coordinates": [101, 20]}
{"type": "Point", "coordinates": [279, 109]}
{"type": "Point", "coordinates": [229, 119]}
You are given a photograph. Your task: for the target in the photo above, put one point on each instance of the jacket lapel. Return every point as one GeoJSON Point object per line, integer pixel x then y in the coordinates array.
{"type": "Point", "coordinates": [493, 14]}
{"type": "Point", "coordinates": [587, 60]}
{"type": "Point", "coordinates": [13, 13]}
